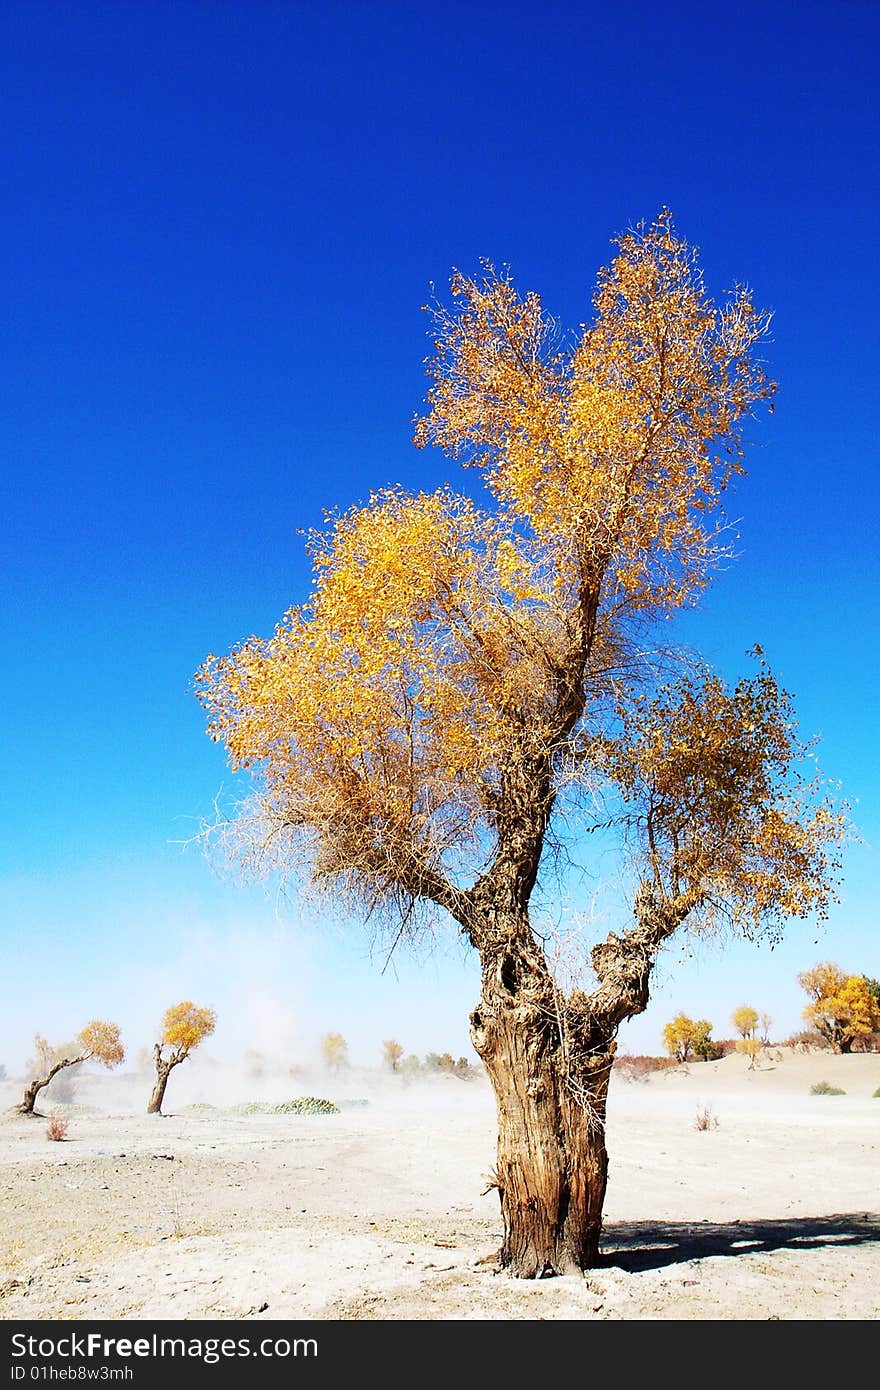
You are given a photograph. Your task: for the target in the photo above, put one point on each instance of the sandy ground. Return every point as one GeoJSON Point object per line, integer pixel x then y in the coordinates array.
{"type": "Point", "coordinates": [376, 1213]}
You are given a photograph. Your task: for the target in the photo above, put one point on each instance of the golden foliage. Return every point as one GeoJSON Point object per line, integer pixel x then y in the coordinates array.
{"type": "Point", "coordinates": [334, 1050]}
{"type": "Point", "coordinates": [392, 1051]}
{"type": "Point", "coordinates": [751, 1047]}
{"type": "Point", "coordinates": [745, 1021]}
{"type": "Point", "coordinates": [185, 1025]}
{"type": "Point", "coordinates": [730, 810]}
{"type": "Point", "coordinates": [456, 670]}
{"type": "Point", "coordinates": [842, 1006]}
{"type": "Point", "coordinates": [685, 1037]}
{"type": "Point", "coordinates": [101, 1042]}
{"type": "Point", "coordinates": [616, 452]}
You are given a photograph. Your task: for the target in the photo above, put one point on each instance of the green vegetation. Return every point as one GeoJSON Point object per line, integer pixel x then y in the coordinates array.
{"type": "Point", "coordinates": [300, 1105]}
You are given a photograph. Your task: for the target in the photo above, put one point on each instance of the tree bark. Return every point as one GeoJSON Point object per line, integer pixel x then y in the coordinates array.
{"type": "Point", "coordinates": [549, 1058]}
{"type": "Point", "coordinates": [550, 1093]}
{"type": "Point", "coordinates": [33, 1089]}
{"type": "Point", "coordinates": [163, 1071]}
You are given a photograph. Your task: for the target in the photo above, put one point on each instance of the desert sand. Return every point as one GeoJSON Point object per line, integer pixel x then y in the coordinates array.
{"type": "Point", "coordinates": [377, 1213]}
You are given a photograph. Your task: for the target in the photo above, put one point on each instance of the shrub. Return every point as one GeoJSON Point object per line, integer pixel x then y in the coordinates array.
{"type": "Point", "coordinates": [752, 1048]}
{"type": "Point", "coordinates": [306, 1105]}
{"type": "Point", "coordinates": [876, 1095]}
{"type": "Point", "coordinates": [300, 1105]}
{"type": "Point", "coordinates": [56, 1129]}
{"type": "Point", "coordinates": [824, 1088]}
{"type": "Point", "coordinates": [705, 1118]}
{"type": "Point", "coordinates": [637, 1067]}
{"type": "Point", "coordinates": [808, 1040]}
{"type": "Point", "coordinates": [440, 1061]}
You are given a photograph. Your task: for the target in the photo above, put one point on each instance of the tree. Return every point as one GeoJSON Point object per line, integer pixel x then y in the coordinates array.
{"type": "Point", "coordinates": [470, 688]}
{"type": "Point", "coordinates": [745, 1021]}
{"type": "Point", "coordinates": [704, 1044]}
{"type": "Point", "coordinates": [392, 1051]}
{"type": "Point", "coordinates": [334, 1050]}
{"type": "Point", "coordinates": [184, 1026]}
{"type": "Point", "coordinates": [750, 1046]}
{"type": "Point", "coordinates": [764, 1023]}
{"type": "Point", "coordinates": [842, 1006]}
{"type": "Point", "coordinates": [99, 1041]}
{"type": "Point", "coordinates": [684, 1038]}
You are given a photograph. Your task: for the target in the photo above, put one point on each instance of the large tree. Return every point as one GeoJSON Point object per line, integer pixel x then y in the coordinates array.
{"type": "Point", "coordinates": [470, 688]}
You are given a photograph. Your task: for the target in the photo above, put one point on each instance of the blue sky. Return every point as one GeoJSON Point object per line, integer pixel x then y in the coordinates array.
{"type": "Point", "coordinates": [220, 222]}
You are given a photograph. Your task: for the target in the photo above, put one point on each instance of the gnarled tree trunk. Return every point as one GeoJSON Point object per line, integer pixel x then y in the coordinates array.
{"type": "Point", "coordinates": [33, 1089]}
{"type": "Point", "coordinates": [551, 1083]}
{"type": "Point", "coordinates": [163, 1071]}
{"type": "Point", "coordinates": [552, 1165]}
{"type": "Point", "coordinates": [549, 1057]}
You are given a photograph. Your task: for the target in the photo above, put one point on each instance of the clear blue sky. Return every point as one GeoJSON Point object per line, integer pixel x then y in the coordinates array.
{"type": "Point", "coordinates": [219, 224]}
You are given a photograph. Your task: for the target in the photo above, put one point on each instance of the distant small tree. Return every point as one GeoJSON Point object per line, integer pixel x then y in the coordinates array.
{"type": "Point", "coordinates": [334, 1050]}
{"type": "Point", "coordinates": [392, 1051]}
{"type": "Point", "coordinates": [682, 1034]}
{"type": "Point", "coordinates": [842, 1007]}
{"type": "Point", "coordinates": [750, 1047]}
{"type": "Point", "coordinates": [99, 1041]}
{"type": "Point", "coordinates": [184, 1026]}
{"type": "Point", "coordinates": [764, 1023]}
{"type": "Point", "coordinates": [704, 1044]}
{"type": "Point", "coordinates": [410, 1064]}
{"type": "Point", "coordinates": [745, 1020]}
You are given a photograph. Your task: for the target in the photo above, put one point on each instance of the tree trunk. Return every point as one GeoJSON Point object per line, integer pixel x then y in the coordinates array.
{"type": "Point", "coordinates": [552, 1164]}
{"type": "Point", "coordinates": [844, 1046]}
{"type": "Point", "coordinates": [33, 1089]}
{"type": "Point", "coordinates": [30, 1097]}
{"type": "Point", "coordinates": [163, 1071]}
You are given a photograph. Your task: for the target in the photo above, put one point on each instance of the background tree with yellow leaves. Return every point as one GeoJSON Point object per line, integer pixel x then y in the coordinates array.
{"type": "Point", "coordinates": [684, 1038]}
{"type": "Point", "coordinates": [842, 1007]}
{"type": "Point", "coordinates": [334, 1051]}
{"type": "Point", "coordinates": [99, 1041]}
{"type": "Point", "coordinates": [469, 688]}
{"type": "Point", "coordinates": [745, 1020]}
{"type": "Point", "coordinates": [392, 1051]}
{"type": "Point", "coordinates": [184, 1026]}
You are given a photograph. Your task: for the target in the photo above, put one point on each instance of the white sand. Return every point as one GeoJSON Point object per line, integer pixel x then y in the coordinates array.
{"type": "Point", "coordinates": [376, 1212]}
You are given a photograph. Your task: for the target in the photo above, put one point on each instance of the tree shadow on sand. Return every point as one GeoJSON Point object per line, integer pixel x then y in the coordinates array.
{"type": "Point", "coordinates": [641, 1245]}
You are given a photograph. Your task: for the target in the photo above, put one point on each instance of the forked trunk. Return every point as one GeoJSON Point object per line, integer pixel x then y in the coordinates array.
{"type": "Point", "coordinates": [163, 1071]}
{"type": "Point", "coordinates": [552, 1163]}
